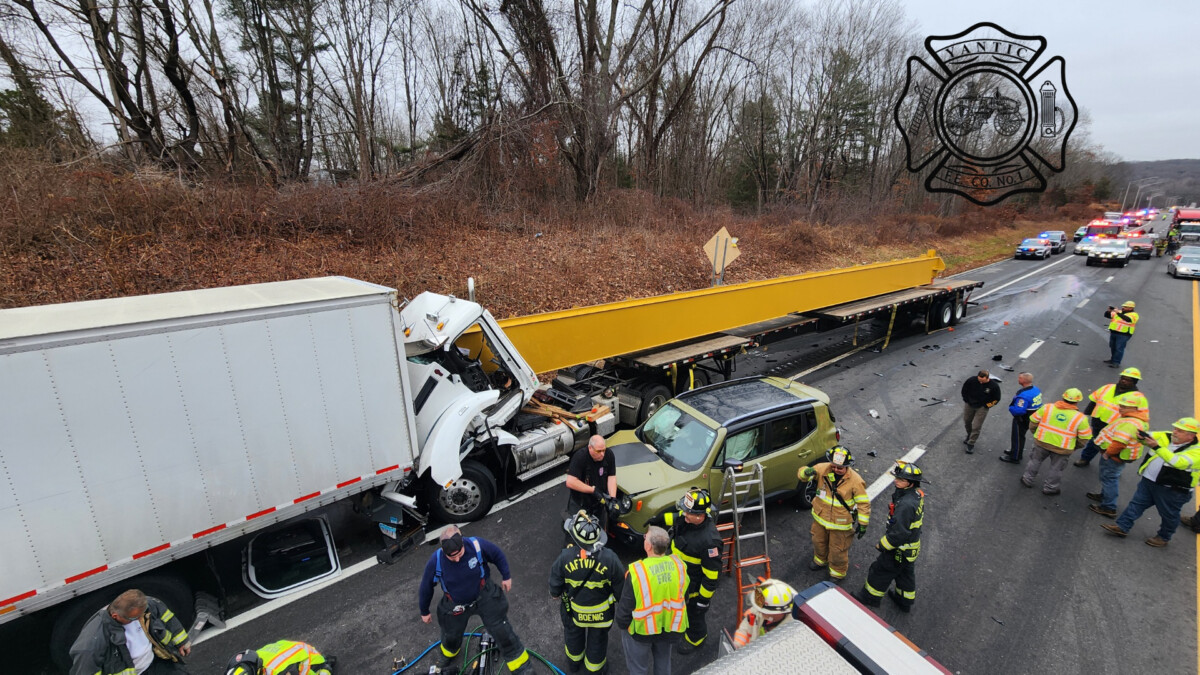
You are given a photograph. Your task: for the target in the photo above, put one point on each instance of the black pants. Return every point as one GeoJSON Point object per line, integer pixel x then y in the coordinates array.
{"type": "Point", "coordinates": [889, 567]}
{"type": "Point", "coordinates": [587, 646]}
{"type": "Point", "coordinates": [1020, 429]}
{"type": "Point", "coordinates": [492, 608]}
{"type": "Point", "coordinates": [697, 630]}
{"type": "Point", "coordinates": [161, 667]}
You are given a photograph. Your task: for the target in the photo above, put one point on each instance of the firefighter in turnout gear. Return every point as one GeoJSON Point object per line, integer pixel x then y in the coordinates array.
{"type": "Point", "coordinates": [901, 544]}
{"type": "Point", "coordinates": [770, 607]}
{"type": "Point", "coordinates": [840, 509]}
{"type": "Point", "coordinates": [281, 658]}
{"type": "Point", "coordinates": [589, 579]}
{"type": "Point", "coordinates": [694, 539]}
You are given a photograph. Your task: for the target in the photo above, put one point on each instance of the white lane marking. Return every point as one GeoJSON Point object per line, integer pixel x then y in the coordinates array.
{"type": "Point", "coordinates": [834, 360]}
{"type": "Point", "coordinates": [1031, 349]}
{"type": "Point", "coordinates": [886, 479]}
{"type": "Point", "coordinates": [1108, 279]}
{"type": "Point", "coordinates": [278, 603]}
{"type": "Point", "coordinates": [1021, 278]}
{"type": "Point", "coordinates": [1082, 303]}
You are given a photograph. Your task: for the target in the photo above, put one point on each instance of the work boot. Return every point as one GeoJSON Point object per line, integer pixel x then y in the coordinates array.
{"type": "Point", "coordinates": [1114, 530]}
{"type": "Point", "coordinates": [574, 666]}
{"type": "Point", "coordinates": [1187, 522]}
{"type": "Point", "coordinates": [1094, 496]}
{"type": "Point", "coordinates": [1005, 457]}
{"type": "Point", "coordinates": [444, 663]}
{"type": "Point", "coordinates": [684, 647]}
{"type": "Point", "coordinates": [902, 602]}
{"type": "Point", "coordinates": [1107, 513]}
{"type": "Point", "coordinates": [1025, 482]}
{"type": "Point", "coordinates": [1156, 541]}
{"type": "Point", "coordinates": [970, 448]}
{"type": "Point", "coordinates": [866, 598]}
{"type": "Point", "coordinates": [814, 565]}
{"type": "Point", "coordinates": [1080, 462]}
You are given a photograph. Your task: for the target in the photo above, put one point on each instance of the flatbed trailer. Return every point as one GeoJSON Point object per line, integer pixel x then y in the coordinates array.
{"type": "Point", "coordinates": [645, 379]}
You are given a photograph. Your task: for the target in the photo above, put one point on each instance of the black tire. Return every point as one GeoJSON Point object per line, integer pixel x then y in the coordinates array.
{"type": "Point", "coordinates": [467, 499]}
{"type": "Point", "coordinates": [960, 310]}
{"type": "Point", "coordinates": [173, 591]}
{"type": "Point", "coordinates": [653, 398]}
{"type": "Point", "coordinates": [1175, 274]}
{"type": "Point", "coordinates": [943, 314]}
{"type": "Point", "coordinates": [1089, 262]}
{"type": "Point", "coordinates": [806, 492]}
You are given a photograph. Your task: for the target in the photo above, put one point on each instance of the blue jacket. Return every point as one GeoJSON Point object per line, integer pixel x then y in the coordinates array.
{"type": "Point", "coordinates": [1026, 401]}
{"type": "Point", "coordinates": [462, 579]}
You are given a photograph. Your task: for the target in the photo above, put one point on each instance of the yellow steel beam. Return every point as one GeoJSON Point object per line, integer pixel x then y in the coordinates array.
{"type": "Point", "coordinates": [556, 340]}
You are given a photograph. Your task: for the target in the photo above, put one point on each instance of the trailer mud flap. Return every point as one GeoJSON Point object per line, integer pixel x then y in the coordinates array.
{"type": "Point", "coordinates": [440, 454]}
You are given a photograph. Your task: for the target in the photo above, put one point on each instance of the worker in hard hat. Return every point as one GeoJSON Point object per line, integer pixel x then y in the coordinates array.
{"type": "Point", "coordinates": [695, 541]}
{"type": "Point", "coordinates": [1169, 475]}
{"type": "Point", "coordinates": [900, 545]}
{"type": "Point", "coordinates": [284, 657]}
{"type": "Point", "coordinates": [840, 510]}
{"type": "Point", "coordinates": [770, 606]}
{"type": "Point", "coordinates": [1121, 444]}
{"type": "Point", "coordinates": [1121, 325]}
{"type": "Point", "coordinates": [1102, 408]}
{"type": "Point", "coordinates": [1059, 429]}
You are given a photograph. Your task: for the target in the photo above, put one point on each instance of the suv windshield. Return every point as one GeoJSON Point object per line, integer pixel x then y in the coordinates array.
{"type": "Point", "coordinates": [682, 441]}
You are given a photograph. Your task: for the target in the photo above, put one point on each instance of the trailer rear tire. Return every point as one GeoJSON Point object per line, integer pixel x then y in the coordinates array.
{"type": "Point", "coordinates": [943, 315]}
{"type": "Point", "coordinates": [174, 592]}
{"type": "Point", "coordinates": [654, 396]}
{"type": "Point", "coordinates": [467, 499]}
{"type": "Point", "coordinates": [960, 310]}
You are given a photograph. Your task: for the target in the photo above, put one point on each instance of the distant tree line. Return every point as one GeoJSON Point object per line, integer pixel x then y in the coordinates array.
{"type": "Point", "coordinates": [756, 104]}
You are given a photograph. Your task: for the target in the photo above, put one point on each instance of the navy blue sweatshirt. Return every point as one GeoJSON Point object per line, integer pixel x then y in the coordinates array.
{"type": "Point", "coordinates": [461, 579]}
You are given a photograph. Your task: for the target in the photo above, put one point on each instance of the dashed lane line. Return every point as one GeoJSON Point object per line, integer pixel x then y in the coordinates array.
{"type": "Point", "coordinates": [886, 479]}
{"type": "Point", "coordinates": [1109, 279]}
{"type": "Point", "coordinates": [1020, 278]}
{"type": "Point", "coordinates": [1082, 303]}
{"type": "Point", "coordinates": [1031, 349]}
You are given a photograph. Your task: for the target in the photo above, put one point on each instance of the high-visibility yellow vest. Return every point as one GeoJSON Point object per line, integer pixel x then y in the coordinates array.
{"type": "Point", "coordinates": [1060, 426]}
{"type": "Point", "coordinates": [1119, 325]}
{"type": "Point", "coordinates": [1123, 430]}
{"type": "Point", "coordinates": [658, 588]}
{"type": "Point", "coordinates": [278, 657]}
{"type": "Point", "coordinates": [1186, 459]}
{"type": "Point", "coordinates": [1105, 399]}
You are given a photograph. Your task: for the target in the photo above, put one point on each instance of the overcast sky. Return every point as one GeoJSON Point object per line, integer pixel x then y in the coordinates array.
{"type": "Point", "coordinates": [1134, 67]}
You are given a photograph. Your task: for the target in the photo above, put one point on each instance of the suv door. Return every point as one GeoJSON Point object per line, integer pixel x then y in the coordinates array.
{"type": "Point", "coordinates": [777, 443]}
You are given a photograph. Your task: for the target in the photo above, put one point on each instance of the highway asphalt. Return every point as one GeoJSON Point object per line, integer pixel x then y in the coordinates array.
{"type": "Point", "coordinates": [1009, 580]}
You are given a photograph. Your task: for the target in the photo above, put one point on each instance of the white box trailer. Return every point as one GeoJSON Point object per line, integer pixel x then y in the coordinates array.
{"type": "Point", "coordinates": [137, 431]}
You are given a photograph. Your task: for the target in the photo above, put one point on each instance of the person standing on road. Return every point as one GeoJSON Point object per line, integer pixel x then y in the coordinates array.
{"type": "Point", "coordinates": [1103, 408]}
{"type": "Point", "coordinates": [1121, 444]}
{"type": "Point", "coordinates": [1121, 325]}
{"type": "Point", "coordinates": [840, 509]}
{"type": "Point", "coordinates": [460, 567]}
{"type": "Point", "coordinates": [588, 578]}
{"type": "Point", "coordinates": [284, 657]}
{"type": "Point", "coordinates": [592, 481]}
{"type": "Point", "coordinates": [979, 394]}
{"type": "Point", "coordinates": [901, 544]}
{"type": "Point", "coordinates": [652, 613]}
{"type": "Point", "coordinates": [1170, 472]}
{"type": "Point", "coordinates": [695, 541]}
{"type": "Point", "coordinates": [135, 634]}
{"type": "Point", "coordinates": [1025, 402]}
{"type": "Point", "coordinates": [1059, 428]}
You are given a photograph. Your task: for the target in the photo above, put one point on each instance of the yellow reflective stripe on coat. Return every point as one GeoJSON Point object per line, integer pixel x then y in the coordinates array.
{"type": "Point", "coordinates": [1105, 399]}
{"type": "Point", "coordinates": [691, 560]}
{"type": "Point", "coordinates": [1060, 426]}
{"type": "Point", "coordinates": [1123, 430]}
{"type": "Point", "coordinates": [831, 526]}
{"type": "Point", "coordinates": [1120, 325]}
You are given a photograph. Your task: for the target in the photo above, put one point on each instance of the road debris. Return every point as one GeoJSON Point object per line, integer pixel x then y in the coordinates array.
{"type": "Point", "coordinates": [997, 621]}
{"type": "Point", "coordinates": [1070, 342]}
{"type": "Point", "coordinates": [871, 453]}
{"type": "Point", "coordinates": [936, 401]}
{"type": "Point", "coordinates": [874, 413]}
{"type": "Point", "coordinates": [998, 357]}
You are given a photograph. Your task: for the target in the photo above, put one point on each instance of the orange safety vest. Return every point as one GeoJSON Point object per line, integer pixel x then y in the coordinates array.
{"type": "Point", "coordinates": [1119, 325]}
{"type": "Point", "coordinates": [1061, 426]}
{"type": "Point", "coordinates": [1123, 430]}
{"type": "Point", "coordinates": [1105, 399]}
{"type": "Point", "coordinates": [659, 584]}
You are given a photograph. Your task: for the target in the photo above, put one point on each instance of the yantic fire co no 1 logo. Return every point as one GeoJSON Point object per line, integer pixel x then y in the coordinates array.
{"type": "Point", "coordinates": [994, 124]}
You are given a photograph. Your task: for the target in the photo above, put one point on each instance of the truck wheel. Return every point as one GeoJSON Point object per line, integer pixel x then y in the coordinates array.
{"type": "Point", "coordinates": [806, 492]}
{"type": "Point", "coordinates": [468, 498]}
{"type": "Point", "coordinates": [654, 396]}
{"type": "Point", "coordinates": [960, 310]}
{"type": "Point", "coordinates": [942, 315]}
{"type": "Point", "coordinates": [171, 590]}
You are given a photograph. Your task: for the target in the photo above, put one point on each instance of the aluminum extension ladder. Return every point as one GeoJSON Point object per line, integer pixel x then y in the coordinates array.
{"type": "Point", "coordinates": [743, 492]}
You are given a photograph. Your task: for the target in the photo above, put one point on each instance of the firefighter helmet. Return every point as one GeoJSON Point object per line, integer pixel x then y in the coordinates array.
{"type": "Point", "coordinates": [1072, 395]}
{"type": "Point", "coordinates": [1132, 373]}
{"type": "Point", "coordinates": [773, 597]}
{"type": "Point", "coordinates": [695, 501]}
{"type": "Point", "coordinates": [839, 456]}
{"type": "Point", "coordinates": [244, 663]}
{"type": "Point", "coordinates": [909, 472]}
{"type": "Point", "coordinates": [585, 531]}
{"type": "Point", "coordinates": [1187, 424]}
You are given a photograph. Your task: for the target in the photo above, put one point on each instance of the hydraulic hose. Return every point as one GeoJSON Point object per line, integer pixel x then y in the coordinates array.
{"type": "Point", "coordinates": [467, 661]}
{"type": "Point", "coordinates": [430, 648]}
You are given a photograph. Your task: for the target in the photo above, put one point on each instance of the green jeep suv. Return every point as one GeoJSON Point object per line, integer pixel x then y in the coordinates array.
{"type": "Point", "coordinates": [687, 442]}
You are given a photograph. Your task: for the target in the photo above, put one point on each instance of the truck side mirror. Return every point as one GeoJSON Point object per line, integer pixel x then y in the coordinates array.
{"type": "Point", "coordinates": [735, 464]}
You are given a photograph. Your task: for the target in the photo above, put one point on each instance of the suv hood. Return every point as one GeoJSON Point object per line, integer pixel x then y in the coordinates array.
{"type": "Point", "coordinates": [639, 469]}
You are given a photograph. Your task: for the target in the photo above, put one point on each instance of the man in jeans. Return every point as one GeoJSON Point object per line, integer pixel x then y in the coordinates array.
{"type": "Point", "coordinates": [979, 394]}
{"type": "Point", "coordinates": [1122, 323]}
{"type": "Point", "coordinates": [1121, 444]}
{"type": "Point", "coordinates": [1169, 474]}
